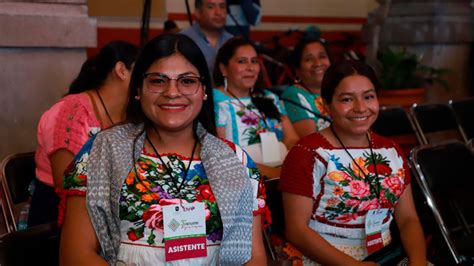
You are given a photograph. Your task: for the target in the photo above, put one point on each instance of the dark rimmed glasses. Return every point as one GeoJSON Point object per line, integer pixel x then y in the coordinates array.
{"type": "Point", "coordinates": [158, 83]}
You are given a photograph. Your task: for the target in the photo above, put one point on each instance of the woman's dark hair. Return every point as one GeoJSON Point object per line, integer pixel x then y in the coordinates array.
{"type": "Point", "coordinates": [337, 72]}
{"type": "Point", "coordinates": [295, 58]}
{"type": "Point", "coordinates": [226, 52]}
{"type": "Point", "coordinates": [161, 47]}
{"type": "Point", "coordinates": [95, 70]}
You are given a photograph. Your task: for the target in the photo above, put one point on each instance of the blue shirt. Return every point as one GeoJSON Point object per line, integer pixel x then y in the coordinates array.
{"type": "Point", "coordinates": [195, 33]}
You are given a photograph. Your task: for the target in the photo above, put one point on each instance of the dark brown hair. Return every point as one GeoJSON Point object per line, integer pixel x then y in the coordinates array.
{"type": "Point", "coordinates": [337, 72]}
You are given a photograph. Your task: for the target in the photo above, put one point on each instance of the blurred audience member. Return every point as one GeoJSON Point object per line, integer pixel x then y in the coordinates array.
{"type": "Point", "coordinates": [303, 99]}
{"type": "Point", "coordinates": [250, 117]}
{"type": "Point", "coordinates": [208, 30]}
{"type": "Point", "coordinates": [344, 186]}
{"type": "Point", "coordinates": [170, 27]}
{"type": "Point", "coordinates": [97, 99]}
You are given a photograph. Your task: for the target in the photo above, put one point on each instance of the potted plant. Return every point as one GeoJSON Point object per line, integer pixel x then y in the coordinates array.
{"type": "Point", "coordinates": [405, 79]}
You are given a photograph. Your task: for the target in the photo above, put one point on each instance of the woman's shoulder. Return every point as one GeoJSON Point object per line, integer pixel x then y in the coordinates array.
{"type": "Point", "coordinates": [77, 101]}
{"type": "Point", "coordinates": [121, 132]}
{"type": "Point", "coordinates": [219, 96]}
{"type": "Point", "coordinates": [72, 101]}
{"type": "Point", "coordinates": [269, 94]}
{"type": "Point", "coordinates": [379, 141]}
{"type": "Point", "coordinates": [291, 91]}
{"type": "Point", "coordinates": [314, 141]}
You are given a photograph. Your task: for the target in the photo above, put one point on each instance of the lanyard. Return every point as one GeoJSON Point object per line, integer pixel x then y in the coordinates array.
{"type": "Point", "coordinates": [170, 172]}
{"type": "Point", "coordinates": [242, 105]}
{"type": "Point", "coordinates": [305, 88]}
{"type": "Point", "coordinates": [374, 188]}
{"type": "Point", "coordinates": [105, 108]}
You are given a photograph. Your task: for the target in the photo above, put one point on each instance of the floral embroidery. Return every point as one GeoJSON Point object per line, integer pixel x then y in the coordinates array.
{"type": "Point", "coordinates": [355, 186]}
{"type": "Point", "coordinates": [248, 116]}
{"type": "Point", "coordinates": [148, 187]}
{"type": "Point", "coordinates": [144, 195]}
{"type": "Point", "coordinates": [318, 101]}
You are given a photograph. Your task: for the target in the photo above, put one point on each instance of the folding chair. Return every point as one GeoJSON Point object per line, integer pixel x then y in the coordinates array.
{"type": "Point", "coordinates": [395, 123]}
{"type": "Point", "coordinates": [444, 174]}
{"type": "Point", "coordinates": [464, 110]}
{"type": "Point", "coordinates": [37, 245]}
{"type": "Point", "coordinates": [436, 123]}
{"type": "Point", "coordinates": [17, 172]}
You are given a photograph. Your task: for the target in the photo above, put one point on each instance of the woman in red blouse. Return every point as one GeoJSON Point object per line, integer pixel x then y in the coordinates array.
{"type": "Point", "coordinates": [344, 185]}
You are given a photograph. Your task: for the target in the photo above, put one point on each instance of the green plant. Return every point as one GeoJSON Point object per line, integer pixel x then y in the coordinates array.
{"type": "Point", "coordinates": [402, 70]}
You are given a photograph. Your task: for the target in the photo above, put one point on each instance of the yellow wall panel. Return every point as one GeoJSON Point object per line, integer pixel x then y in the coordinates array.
{"type": "Point", "coordinates": [125, 8]}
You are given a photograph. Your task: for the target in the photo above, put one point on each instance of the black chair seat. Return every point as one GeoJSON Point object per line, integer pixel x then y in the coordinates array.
{"type": "Point", "coordinates": [37, 245]}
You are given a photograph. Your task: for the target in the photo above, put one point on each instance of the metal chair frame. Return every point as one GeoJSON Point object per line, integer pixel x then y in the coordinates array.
{"type": "Point", "coordinates": [7, 201]}
{"type": "Point", "coordinates": [425, 188]}
{"type": "Point", "coordinates": [462, 119]}
{"type": "Point", "coordinates": [421, 131]}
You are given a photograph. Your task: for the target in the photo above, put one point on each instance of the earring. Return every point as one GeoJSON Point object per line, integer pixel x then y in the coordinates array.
{"type": "Point", "coordinates": [297, 80]}
{"type": "Point", "coordinates": [205, 96]}
{"type": "Point", "coordinates": [251, 90]}
{"type": "Point", "coordinates": [225, 83]}
{"type": "Point", "coordinates": [137, 97]}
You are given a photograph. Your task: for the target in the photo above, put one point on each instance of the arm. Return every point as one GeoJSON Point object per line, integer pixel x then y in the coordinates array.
{"type": "Point", "coordinates": [269, 171]}
{"type": "Point", "coordinates": [220, 132]}
{"type": "Point", "coordinates": [79, 244]}
{"type": "Point", "coordinates": [290, 137]}
{"type": "Point", "coordinates": [298, 210]}
{"type": "Point", "coordinates": [60, 159]}
{"type": "Point", "coordinates": [259, 257]}
{"type": "Point", "coordinates": [305, 127]}
{"type": "Point", "coordinates": [411, 232]}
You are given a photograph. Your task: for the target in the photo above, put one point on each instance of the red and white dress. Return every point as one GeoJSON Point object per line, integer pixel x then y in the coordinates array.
{"type": "Point", "coordinates": [340, 189]}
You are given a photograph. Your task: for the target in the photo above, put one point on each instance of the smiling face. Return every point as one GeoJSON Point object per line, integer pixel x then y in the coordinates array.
{"type": "Point", "coordinates": [171, 110]}
{"type": "Point", "coordinates": [242, 69]}
{"type": "Point", "coordinates": [314, 62]}
{"type": "Point", "coordinates": [354, 107]}
{"type": "Point", "coordinates": [212, 14]}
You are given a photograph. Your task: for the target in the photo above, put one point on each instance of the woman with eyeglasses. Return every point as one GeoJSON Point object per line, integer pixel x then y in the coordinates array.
{"type": "Point", "coordinates": [97, 99]}
{"type": "Point", "coordinates": [250, 117]}
{"type": "Point", "coordinates": [303, 100]}
{"type": "Point", "coordinates": [162, 188]}
{"type": "Point", "coordinates": [344, 186]}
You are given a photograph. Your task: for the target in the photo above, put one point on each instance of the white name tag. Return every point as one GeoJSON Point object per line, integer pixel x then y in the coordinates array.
{"type": "Point", "coordinates": [270, 148]}
{"type": "Point", "coordinates": [373, 229]}
{"type": "Point", "coordinates": [184, 231]}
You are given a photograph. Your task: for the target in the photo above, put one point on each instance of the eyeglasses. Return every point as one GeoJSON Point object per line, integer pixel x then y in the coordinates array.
{"type": "Point", "coordinates": [159, 83]}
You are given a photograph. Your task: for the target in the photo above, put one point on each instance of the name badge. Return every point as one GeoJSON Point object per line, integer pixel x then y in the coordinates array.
{"type": "Point", "coordinates": [184, 231]}
{"type": "Point", "coordinates": [270, 148]}
{"type": "Point", "coordinates": [373, 229]}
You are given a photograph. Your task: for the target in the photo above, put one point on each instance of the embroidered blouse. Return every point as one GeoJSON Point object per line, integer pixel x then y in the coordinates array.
{"type": "Point", "coordinates": [242, 120]}
{"type": "Point", "coordinates": [339, 186]}
{"type": "Point", "coordinates": [150, 187]}
{"type": "Point", "coordinates": [308, 100]}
